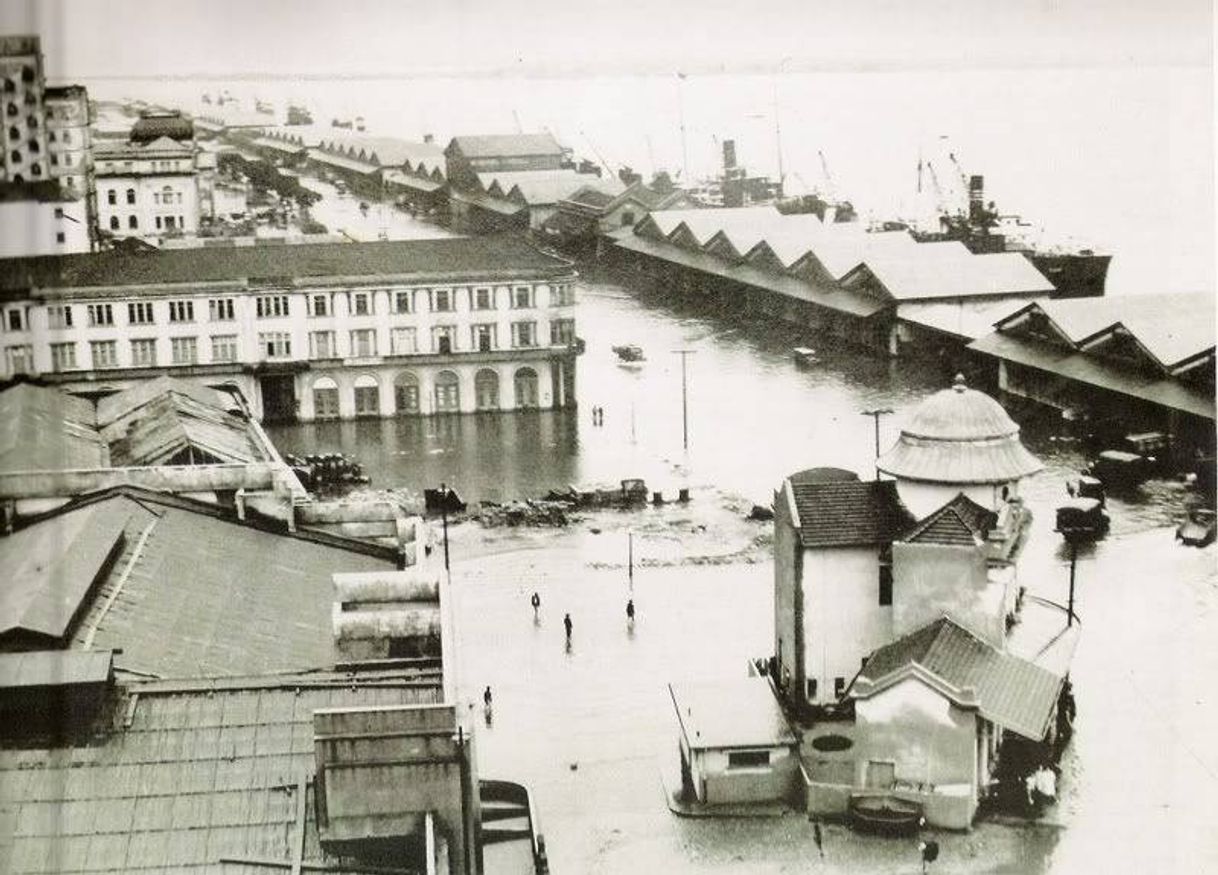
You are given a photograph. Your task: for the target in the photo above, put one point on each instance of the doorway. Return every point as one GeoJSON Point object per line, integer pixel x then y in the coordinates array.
{"type": "Point", "coordinates": [278, 398]}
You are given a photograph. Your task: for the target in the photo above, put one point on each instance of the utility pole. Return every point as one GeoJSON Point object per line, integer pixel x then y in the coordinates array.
{"type": "Point", "coordinates": [684, 354]}
{"type": "Point", "coordinates": [630, 558]}
{"type": "Point", "coordinates": [444, 519]}
{"type": "Point", "coordinates": [875, 414]}
{"type": "Point", "coordinates": [1073, 542]}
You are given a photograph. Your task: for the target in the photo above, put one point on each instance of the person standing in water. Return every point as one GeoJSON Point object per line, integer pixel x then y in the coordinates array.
{"type": "Point", "coordinates": [535, 601]}
{"type": "Point", "coordinates": [630, 611]}
{"type": "Point", "coordinates": [568, 625]}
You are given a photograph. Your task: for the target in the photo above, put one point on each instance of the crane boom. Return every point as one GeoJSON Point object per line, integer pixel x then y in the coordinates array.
{"type": "Point", "coordinates": [831, 188]}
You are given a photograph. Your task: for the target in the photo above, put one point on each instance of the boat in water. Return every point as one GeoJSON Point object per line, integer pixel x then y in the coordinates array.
{"type": "Point", "coordinates": [630, 354]}
{"type": "Point", "coordinates": [884, 814]}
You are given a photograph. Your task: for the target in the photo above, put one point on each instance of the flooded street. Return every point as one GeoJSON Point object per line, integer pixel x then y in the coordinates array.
{"type": "Point", "coordinates": [591, 730]}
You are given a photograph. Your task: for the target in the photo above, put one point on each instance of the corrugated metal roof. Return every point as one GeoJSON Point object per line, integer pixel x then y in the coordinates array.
{"type": "Point", "coordinates": [845, 513]}
{"type": "Point", "coordinates": [1009, 691]}
{"type": "Point", "coordinates": [539, 187]}
{"type": "Point", "coordinates": [409, 180]}
{"type": "Point", "coordinates": [489, 256]}
{"type": "Point", "coordinates": [948, 270]}
{"type": "Point", "coordinates": [961, 521]}
{"type": "Point", "coordinates": [1172, 327]}
{"type": "Point", "coordinates": [736, 713]}
{"type": "Point", "coordinates": [388, 151]}
{"type": "Point", "coordinates": [279, 145]}
{"type": "Point", "coordinates": [507, 145]}
{"type": "Point", "coordinates": [343, 162]}
{"type": "Point", "coordinates": [487, 202]}
{"type": "Point", "coordinates": [204, 773]}
{"type": "Point", "coordinates": [54, 668]}
{"type": "Point", "coordinates": [1164, 391]}
{"type": "Point", "coordinates": [44, 429]}
{"type": "Point", "coordinates": [834, 299]}
{"type": "Point", "coordinates": [964, 318]}
{"type": "Point", "coordinates": [52, 565]}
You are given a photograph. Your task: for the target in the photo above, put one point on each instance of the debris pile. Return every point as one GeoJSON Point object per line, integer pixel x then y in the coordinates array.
{"type": "Point", "coordinates": [328, 474]}
{"type": "Point", "coordinates": [524, 513]}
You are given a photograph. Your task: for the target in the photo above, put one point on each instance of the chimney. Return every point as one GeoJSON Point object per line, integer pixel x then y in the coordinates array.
{"type": "Point", "coordinates": [729, 154]}
{"type": "Point", "coordinates": [976, 197]}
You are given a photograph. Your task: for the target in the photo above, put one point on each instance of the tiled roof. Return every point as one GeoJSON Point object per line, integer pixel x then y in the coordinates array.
{"type": "Point", "coordinates": [960, 521]}
{"type": "Point", "coordinates": [169, 603]}
{"type": "Point", "coordinates": [44, 429]}
{"type": "Point", "coordinates": [201, 777]}
{"type": "Point", "coordinates": [465, 257]}
{"type": "Point", "coordinates": [507, 145]}
{"type": "Point", "coordinates": [845, 513]}
{"type": "Point", "coordinates": [1011, 692]}
{"type": "Point", "coordinates": [1069, 365]}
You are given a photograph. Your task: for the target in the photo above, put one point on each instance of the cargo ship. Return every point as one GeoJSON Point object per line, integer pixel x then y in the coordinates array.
{"type": "Point", "coordinates": [1078, 273]}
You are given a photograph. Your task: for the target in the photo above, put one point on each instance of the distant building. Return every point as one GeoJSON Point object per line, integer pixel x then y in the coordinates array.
{"type": "Point", "coordinates": [45, 140]}
{"type": "Point", "coordinates": [309, 331]}
{"type": "Point", "coordinates": [39, 220]}
{"type": "Point", "coordinates": [157, 183]}
{"type": "Point", "coordinates": [382, 165]}
{"type": "Point", "coordinates": [590, 211]}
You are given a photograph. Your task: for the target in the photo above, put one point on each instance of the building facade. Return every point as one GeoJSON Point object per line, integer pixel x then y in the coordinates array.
{"type": "Point", "coordinates": [39, 220]}
{"type": "Point", "coordinates": [24, 131]}
{"type": "Point", "coordinates": [309, 331]}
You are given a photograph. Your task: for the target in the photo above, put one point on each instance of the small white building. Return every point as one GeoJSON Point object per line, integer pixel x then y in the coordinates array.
{"type": "Point", "coordinates": [37, 219]}
{"type": "Point", "coordinates": [736, 744]}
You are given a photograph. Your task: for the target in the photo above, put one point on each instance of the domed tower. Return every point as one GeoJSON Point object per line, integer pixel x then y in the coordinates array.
{"type": "Point", "coordinates": [958, 440]}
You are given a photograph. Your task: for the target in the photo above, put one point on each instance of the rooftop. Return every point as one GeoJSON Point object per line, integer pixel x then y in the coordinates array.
{"type": "Point", "coordinates": [506, 145]}
{"type": "Point", "coordinates": [847, 512]}
{"type": "Point", "coordinates": [1012, 692]}
{"type": "Point", "coordinates": [153, 126]}
{"type": "Point", "coordinates": [207, 776]}
{"type": "Point", "coordinates": [137, 570]}
{"type": "Point", "coordinates": [948, 270]}
{"type": "Point", "coordinates": [961, 521]}
{"type": "Point", "coordinates": [539, 187]}
{"type": "Point", "coordinates": [459, 257]}
{"type": "Point", "coordinates": [741, 712]}
{"type": "Point", "coordinates": [959, 435]}
{"type": "Point", "coordinates": [44, 429]}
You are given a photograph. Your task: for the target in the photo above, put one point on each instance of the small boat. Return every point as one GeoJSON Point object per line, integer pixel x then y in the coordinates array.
{"type": "Point", "coordinates": [885, 814]}
{"type": "Point", "coordinates": [629, 353]}
{"type": "Point", "coordinates": [1082, 519]}
{"type": "Point", "coordinates": [804, 356]}
{"type": "Point", "coordinates": [1199, 529]}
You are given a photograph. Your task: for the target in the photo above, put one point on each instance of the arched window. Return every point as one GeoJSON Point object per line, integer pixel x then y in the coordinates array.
{"type": "Point", "coordinates": [325, 398]}
{"type": "Point", "coordinates": [36, 169]}
{"type": "Point", "coordinates": [406, 393]}
{"type": "Point", "coordinates": [486, 390]}
{"type": "Point", "coordinates": [448, 392]}
{"type": "Point", "coordinates": [32, 121]}
{"type": "Point", "coordinates": [13, 133]}
{"type": "Point", "coordinates": [167, 195]}
{"type": "Point", "coordinates": [367, 396]}
{"type": "Point", "coordinates": [133, 222]}
{"type": "Point", "coordinates": [34, 147]}
{"type": "Point", "coordinates": [112, 196]}
{"type": "Point", "coordinates": [12, 110]}
{"type": "Point", "coordinates": [15, 156]}
{"type": "Point", "coordinates": [131, 195]}
{"type": "Point", "coordinates": [526, 388]}
{"type": "Point", "coordinates": [114, 223]}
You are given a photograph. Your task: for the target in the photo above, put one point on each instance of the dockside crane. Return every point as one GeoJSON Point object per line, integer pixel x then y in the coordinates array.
{"type": "Point", "coordinates": [830, 185]}
{"type": "Point", "coordinates": [597, 153]}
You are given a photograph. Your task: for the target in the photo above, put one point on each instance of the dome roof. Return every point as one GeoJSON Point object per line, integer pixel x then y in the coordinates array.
{"type": "Point", "coordinates": [959, 435]}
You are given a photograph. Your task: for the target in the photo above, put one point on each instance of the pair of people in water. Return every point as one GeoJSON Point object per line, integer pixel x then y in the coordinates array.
{"type": "Point", "coordinates": [568, 623]}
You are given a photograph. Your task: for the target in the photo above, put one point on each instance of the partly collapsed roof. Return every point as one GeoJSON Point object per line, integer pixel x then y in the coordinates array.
{"type": "Point", "coordinates": [1011, 692]}
{"type": "Point", "coordinates": [847, 513]}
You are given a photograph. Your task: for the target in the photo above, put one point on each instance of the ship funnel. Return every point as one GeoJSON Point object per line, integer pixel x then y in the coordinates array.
{"type": "Point", "coordinates": [729, 154]}
{"type": "Point", "coordinates": [976, 197]}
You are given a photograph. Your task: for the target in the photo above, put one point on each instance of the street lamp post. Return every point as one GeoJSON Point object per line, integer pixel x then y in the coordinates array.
{"type": "Point", "coordinates": [684, 354]}
{"type": "Point", "coordinates": [875, 414]}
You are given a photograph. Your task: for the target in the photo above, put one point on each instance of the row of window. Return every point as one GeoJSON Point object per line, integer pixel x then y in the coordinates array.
{"type": "Point", "coordinates": [446, 397]}
{"type": "Point", "coordinates": [166, 195]}
{"type": "Point", "coordinates": [278, 345]}
{"type": "Point", "coordinates": [440, 300]}
{"type": "Point", "coordinates": [104, 353]}
{"type": "Point", "coordinates": [163, 223]}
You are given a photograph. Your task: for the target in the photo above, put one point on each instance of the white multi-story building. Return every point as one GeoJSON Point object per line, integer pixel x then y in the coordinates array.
{"type": "Point", "coordinates": [308, 331]}
{"type": "Point", "coordinates": [36, 219]}
{"type": "Point", "coordinates": [21, 94]}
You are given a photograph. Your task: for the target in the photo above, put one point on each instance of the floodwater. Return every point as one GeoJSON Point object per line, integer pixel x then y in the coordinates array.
{"type": "Point", "coordinates": [751, 417]}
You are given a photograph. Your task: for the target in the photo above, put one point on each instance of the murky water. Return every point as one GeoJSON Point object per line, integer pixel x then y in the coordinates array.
{"type": "Point", "coordinates": [752, 418]}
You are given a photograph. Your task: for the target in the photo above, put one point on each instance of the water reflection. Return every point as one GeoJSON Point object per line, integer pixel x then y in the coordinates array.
{"type": "Point", "coordinates": [753, 417]}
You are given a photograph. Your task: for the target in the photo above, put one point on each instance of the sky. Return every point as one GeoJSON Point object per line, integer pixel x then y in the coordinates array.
{"type": "Point", "coordinates": [324, 38]}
